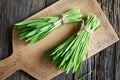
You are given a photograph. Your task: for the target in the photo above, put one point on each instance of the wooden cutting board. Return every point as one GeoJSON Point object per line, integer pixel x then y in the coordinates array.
{"type": "Point", "coordinates": [34, 59]}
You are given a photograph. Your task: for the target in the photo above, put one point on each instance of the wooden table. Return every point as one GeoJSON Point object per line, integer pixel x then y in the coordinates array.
{"type": "Point", "coordinates": [105, 65]}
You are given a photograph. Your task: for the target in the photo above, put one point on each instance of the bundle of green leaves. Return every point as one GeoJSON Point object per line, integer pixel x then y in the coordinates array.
{"type": "Point", "coordinates": [69, 55]}
{"type": "Point", "coordinates": [34, 30]}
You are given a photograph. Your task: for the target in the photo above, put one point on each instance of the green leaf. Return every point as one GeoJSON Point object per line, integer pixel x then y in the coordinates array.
{"type": "Point", "coordinates": [25, 22]}
{"type": "Point", "coordinates": [33, 39]}
{"type": "Point", "coordinates": [85, 75]}
{"type": "Point", "coordinates": [31, 33]}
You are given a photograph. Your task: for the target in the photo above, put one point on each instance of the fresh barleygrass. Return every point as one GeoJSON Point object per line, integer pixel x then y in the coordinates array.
{"type": "Point", "coordinates": [82, 77]}
{"type": "Point", "coordinates": [34, 30]}
{"type": "Point", "coordinates": [69, 55]}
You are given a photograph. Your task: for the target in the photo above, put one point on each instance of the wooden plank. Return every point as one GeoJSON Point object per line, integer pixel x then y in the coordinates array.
{"type": "Point", "coordinates": [64, 76]}
{"type": "Point", "coordinates": [106, 64]}
{"type": "Point", "coordinates": [12, 11]}
{"type": "Point", "coordinates": [116, 23]}
{"type": "Point", "coordinates": [49, 2]}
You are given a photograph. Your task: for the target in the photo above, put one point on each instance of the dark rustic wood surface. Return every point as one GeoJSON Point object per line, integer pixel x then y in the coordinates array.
{"type": "Point", "coordinates": [105, 65]}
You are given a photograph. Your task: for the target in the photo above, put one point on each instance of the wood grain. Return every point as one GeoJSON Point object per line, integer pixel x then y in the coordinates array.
{"type": "Point", "coordinates": [105, 65]}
